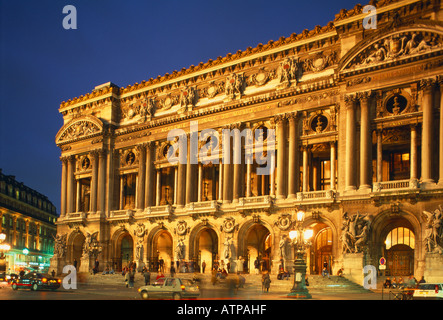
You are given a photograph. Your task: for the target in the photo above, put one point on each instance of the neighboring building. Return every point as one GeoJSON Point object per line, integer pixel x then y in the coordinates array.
{"type": "Point", "coordinates": [28, 221]}
{"type": "Point", "coordinates": [358, 123]}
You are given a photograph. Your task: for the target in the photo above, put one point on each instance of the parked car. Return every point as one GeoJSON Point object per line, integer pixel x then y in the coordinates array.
{"type": "Point", "coordinates": [171, 288]}
{"type": "Point", "coordinates": [36, 281]}
{"type": "Point", "coordinates": [429, 291]}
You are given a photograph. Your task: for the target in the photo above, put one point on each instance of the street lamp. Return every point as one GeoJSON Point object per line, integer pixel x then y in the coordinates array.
{"type": "Point", "coordinates": [300, 238]}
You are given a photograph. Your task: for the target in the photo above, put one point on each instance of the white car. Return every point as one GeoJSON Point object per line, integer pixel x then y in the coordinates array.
{"type": "Point", "coordinates": [170, 288]}
{"type": "Point", "coordinates": [429, 291]}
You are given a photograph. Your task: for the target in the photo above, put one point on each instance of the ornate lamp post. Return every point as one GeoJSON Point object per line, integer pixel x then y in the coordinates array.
{"type": "Point", "coordinates": [300, 238]}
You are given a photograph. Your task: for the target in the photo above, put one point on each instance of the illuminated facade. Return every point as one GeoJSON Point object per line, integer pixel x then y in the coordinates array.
{"type": "Point", "coordinates": [28, 221]}
{"type": "Point", "coordinates": [355, 118]}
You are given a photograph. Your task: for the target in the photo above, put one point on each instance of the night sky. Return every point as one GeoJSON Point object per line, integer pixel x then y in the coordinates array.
{"type": "Point", "coordinates": [43, 64]}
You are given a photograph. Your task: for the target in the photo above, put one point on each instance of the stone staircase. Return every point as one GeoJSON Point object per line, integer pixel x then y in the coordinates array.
{"type": "Point", "coordinates": [317, 283]}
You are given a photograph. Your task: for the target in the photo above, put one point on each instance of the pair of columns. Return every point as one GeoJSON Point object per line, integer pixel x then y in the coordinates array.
{"type": "Point", "coordinates": [427, 87]}
{"type": "Point", "coordinates": [70, 186]}
{"type": "Point", "coordinates": [365, 141]}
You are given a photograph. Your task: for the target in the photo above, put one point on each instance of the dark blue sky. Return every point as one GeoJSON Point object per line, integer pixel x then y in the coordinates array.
{"type": "Point", "coordinates": [42, 64]}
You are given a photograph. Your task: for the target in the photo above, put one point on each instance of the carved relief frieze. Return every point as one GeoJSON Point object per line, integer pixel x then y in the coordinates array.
{"type": "Point", "coordinates": [396, 47]}
{"type": "Point", "coordinates": [142, 109]}
{"type": "Point", "coordinates": [82, 127]}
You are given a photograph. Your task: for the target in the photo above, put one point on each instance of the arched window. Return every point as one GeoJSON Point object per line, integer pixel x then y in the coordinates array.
{"type": "Point", "coordinates": [400, 236]}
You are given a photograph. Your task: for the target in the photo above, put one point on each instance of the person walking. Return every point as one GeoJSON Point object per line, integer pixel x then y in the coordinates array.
{"type": "Point", "coordinates": [147, 276]}
{"type": "Point", "coordinates": [131, 274]}
{"type": "Point", "coordinates": [266, 282]}
{"type": "Point", "coordinates": [257, 265]}
{"type": "Point", "coordinates": [203, 266]}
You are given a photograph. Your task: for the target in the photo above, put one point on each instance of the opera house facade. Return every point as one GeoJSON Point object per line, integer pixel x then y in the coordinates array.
{"type": "Point", "coordinates": [211, 163]}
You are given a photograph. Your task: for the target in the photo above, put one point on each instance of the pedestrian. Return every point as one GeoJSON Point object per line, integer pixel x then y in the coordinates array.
{"type": "Point", "coordinates": [266, 282]}
{"type": "Point", "coordinates": [75, 264]}
{"type": "Point", "coordinates": [127, 279]}
{"type": "Point", "coordinates": [203, 266]}
{"type": "Point", "coordinates": [131, 277]}
{"type": "Point", "coordinates": [172, 270]}
{"type": "Point", "coordinates": [147, 276]}
{"type": "Point", "coordinates": [161, 262]}
{"type": "Point", "coordinates": [257, 265]}
{"type": "Point", "coordinates": [325, 271]}
{"type": "Point", "coordinates": [214, 276]}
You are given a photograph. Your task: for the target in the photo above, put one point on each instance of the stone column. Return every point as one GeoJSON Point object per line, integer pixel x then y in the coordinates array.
{"type": "Point", "coordinates": [70, 185]}
{"type": "Point", "coordinates": [141, 176]}
{"type": "Point", "coordinates": [94, 158]}
{"type": "Point", "coordinates": [158, 191]}
{"type": "Point", "coordinates": [227, 181]}
{"type": "Point", "coordinates": [350, 183]}
{"type": "Point", "coordinates": [379, 155]}
{"type": "Point", "coordinates": [333, 156]}
{"type": "Point", "coordinates": [101, 181]}
{"type": "Point", "coordinates": [237, 161]}
{"type": "Point", "coordinates": [220, 180]}
{"type": "Point", "coordinates": [63, 186]}
{"type": "Point", "coordinates": [305, 169]}
{"type": "Point", "coordinates": [120, 206]}
{"type": "Point", "coordinates": [414, 153]}
{"type": "Point", "coordinates": [293, 156]}
{"type": "Point", "coordinates": [149, 177]}
{"type": "Point", "coordinates": [248, 177]}
{"type": "Point", "coordinates": [190, 170]}
{"type": "Point", "coordinates": [440, 181]}
{"type": "Point", "coordinates": [427, 126]}
{"type": "Point", "coordinates": [365, 142]}
{"type": "Point", "coordinates": [78, 198]}
{"type": "Point", "coordinates": [280, 121]}
{"type": "Point", "coordinates": [200, 181]}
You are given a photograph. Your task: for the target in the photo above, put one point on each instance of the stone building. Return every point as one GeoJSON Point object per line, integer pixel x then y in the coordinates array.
{"type": "Point", "coordinates": [27, 219]}
{"type": "Point", "coordinates": [211, 162]}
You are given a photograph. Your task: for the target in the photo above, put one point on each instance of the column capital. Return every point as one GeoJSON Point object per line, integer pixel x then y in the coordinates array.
{"type": "Point", "coordinates": [427, 84]}
{"type": "Point", "coordinates": [350, 100]}
{"type": "Point", "coordinates": [279, 118]}
{"type": "Point", "coordinates": [293, 115]}
{"type": "Point", "coordinates": [364, 95]}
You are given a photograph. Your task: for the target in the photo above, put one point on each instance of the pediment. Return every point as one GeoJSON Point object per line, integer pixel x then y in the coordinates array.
{"type": "Point", "coordinates": [395, 46]}
{"type": "Point", "coordinates": [79, 128]}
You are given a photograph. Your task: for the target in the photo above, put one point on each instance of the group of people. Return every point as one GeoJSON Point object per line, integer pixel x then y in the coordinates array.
{"type": "Point", "coordinates": [400, 283]}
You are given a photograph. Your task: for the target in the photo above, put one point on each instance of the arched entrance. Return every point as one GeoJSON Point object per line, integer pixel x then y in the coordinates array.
{"type": "Point", "coordinates": [399, 251]}
{"type": "Point", "coordinates": [206, 247]}
{"type": "Point", "coordinates": [162, 250]}
{"type": "Point", "coordinates": [124, 248]}
{"type": "Point", "coordinates": [77, 249]}
{"type": "Point", "coordinates": [258, 243]}
{"type": "Point", "coordinates": [322, 249]}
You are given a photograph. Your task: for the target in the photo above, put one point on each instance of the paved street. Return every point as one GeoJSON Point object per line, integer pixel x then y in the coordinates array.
{"type": "Point", "coordinates": [120, 292]}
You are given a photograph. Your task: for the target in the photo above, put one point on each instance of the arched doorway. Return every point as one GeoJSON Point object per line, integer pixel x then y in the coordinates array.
{"type": "Point", "coordinates": [162, 250]}
{"type": "Point", "coordinates": [399, 252]}
{"type": "Point", "coordinates": [126, 250]}
{"type": "Point", "coordinates": [258, 243]}
{"type": "Point", "coordinates": [322, 250]}
{"type": "Point", "coordinates": [207, 248]}
{"type": "Point", "coordinates": [77, 249]}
